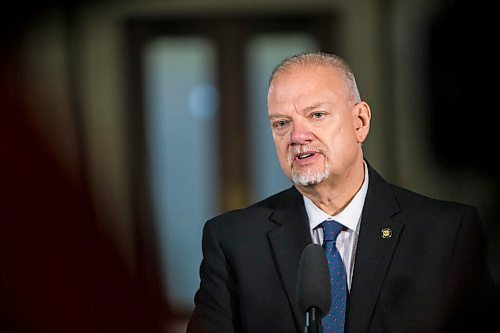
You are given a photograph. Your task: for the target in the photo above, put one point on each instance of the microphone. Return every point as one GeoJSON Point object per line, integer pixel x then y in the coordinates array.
{"type": "Point", "coordinates": [313, 287]}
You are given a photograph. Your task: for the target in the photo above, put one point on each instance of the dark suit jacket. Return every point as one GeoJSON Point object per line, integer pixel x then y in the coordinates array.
{"type": "Point", "coordinates": [427, 277]}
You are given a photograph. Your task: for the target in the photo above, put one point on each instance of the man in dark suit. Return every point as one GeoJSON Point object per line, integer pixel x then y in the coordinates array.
{"type": "Point", "coordinates": [413, 264]}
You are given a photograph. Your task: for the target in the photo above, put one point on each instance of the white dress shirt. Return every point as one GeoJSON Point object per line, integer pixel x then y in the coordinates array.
{"type": "Point", "coordinates": [350, 218]}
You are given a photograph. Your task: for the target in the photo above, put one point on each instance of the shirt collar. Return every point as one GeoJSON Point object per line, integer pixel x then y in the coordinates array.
{"type": "Point", "coordinates": [349, 217]}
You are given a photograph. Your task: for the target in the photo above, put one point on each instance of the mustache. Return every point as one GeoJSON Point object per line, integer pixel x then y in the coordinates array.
{"type": "Point", "coordinates": [297, 150]}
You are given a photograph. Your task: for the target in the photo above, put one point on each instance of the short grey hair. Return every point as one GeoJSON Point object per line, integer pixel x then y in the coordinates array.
{"type": "Point", "coordinates": [322, 59]}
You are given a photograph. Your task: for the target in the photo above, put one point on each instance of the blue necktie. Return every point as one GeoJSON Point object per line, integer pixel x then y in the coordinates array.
{"type": "Point", "coordinates": [334, 320]}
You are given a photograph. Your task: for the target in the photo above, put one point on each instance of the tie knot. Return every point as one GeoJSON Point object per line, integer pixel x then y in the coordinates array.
{"type": "Point", "coordinates": [331, 229]}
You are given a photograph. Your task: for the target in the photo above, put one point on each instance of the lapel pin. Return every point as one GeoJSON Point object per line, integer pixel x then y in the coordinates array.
{"type": "Point", "coordinates": [386, 233]}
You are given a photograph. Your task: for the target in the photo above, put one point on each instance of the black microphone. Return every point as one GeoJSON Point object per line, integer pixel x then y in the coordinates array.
{"type": "Point", "coordinates": [313, 287]}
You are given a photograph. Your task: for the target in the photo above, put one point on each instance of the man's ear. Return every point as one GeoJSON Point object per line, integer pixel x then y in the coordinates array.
{"type": "Point", "coordinates": [362, 116]}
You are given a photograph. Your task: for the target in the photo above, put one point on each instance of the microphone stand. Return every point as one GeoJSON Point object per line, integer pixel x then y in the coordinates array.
{"type": "Point", "coordinates": [313, 321]}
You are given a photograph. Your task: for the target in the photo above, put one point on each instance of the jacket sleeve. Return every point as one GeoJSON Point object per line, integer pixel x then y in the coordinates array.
{"type": "Point", "coordinates": [216, 304]}
{"type": "Point", "coordinates": [469, 285]}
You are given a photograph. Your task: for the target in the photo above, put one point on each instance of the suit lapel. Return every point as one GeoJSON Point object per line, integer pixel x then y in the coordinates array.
{"type": "Point", "coordinates": [374, 252]}
{"type": "Point", "coordinates": [287, 241]}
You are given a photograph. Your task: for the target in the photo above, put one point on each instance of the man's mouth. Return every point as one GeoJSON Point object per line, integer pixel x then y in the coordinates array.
{"type": "Point", "coordinates": [304, 156]}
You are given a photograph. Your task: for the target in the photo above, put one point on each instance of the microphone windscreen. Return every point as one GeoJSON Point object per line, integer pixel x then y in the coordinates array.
{"type": "Point", "coordinates": [313, 280]}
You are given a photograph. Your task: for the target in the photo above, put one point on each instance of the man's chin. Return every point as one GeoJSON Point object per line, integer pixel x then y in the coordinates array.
{"type": "Point", "coordinates": [306, 184]}
{"type": "Point", "coordinates": [308, 179]}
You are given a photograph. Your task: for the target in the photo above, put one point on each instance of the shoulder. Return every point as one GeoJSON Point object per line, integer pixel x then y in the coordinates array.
{"type": "Point", "coordinates": [442, 221]}
{"type": "Point", "coordinates": [423, 205]}
{"type": "Point", "coordinates": [407, 201]}
{"type": "Point", "coordinates": [421, 211]}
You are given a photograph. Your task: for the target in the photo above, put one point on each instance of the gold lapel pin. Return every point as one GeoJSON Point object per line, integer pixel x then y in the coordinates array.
{"type": "Point", "coordinates": [386, 233]}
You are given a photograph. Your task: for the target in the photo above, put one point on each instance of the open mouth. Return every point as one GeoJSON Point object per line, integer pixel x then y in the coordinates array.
{"type": "Point", "coordinates": [304, 156]}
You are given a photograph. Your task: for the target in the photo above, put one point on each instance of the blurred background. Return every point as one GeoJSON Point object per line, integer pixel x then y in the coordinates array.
{"type": "Point", "coordinates": [125, 125]}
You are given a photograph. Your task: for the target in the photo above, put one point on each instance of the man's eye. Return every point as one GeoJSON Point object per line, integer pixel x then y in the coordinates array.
{"type": "Point", "coordinates": [318, 115]}
{"type": "Point", "coordinates": [279, 123]}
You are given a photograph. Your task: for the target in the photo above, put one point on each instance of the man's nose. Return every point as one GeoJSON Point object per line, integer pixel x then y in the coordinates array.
{"type": "Point", "coordinates": [301, 134]}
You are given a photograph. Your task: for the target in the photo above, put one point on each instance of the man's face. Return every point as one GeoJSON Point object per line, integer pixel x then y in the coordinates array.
{"type": "Point", "coordinates": [314, 124]}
